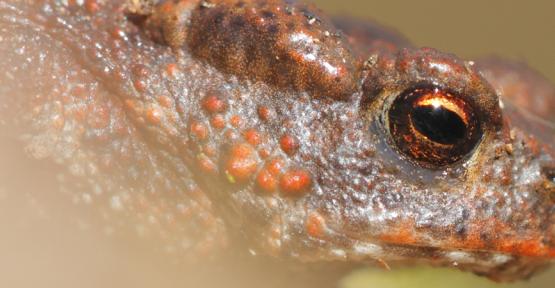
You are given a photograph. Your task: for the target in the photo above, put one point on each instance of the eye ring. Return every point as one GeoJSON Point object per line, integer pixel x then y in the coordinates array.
{"type": "Point", "coordinates": [433, 127]}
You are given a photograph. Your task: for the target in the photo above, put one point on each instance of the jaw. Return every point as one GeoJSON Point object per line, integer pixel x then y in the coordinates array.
{"type": "Point", "coordinates": [497, 219]}
{"type": "Point", "coordinates": [492, 264]}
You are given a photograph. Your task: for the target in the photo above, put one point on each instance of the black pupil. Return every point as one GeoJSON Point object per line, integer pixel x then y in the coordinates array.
{"type": "Point", "coordinates": [439, 124]}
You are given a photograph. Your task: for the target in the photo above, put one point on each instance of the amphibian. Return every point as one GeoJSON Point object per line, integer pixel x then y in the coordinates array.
{"type": "Point", "coordinates": [268, 125]}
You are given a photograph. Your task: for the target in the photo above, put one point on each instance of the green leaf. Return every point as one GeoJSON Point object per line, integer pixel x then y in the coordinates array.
{"type": "Point", "coordinates": [435, 278]}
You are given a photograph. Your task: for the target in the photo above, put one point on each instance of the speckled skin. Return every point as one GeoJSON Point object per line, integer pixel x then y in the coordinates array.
{"type": "Point", "coordinates": [259, 124]}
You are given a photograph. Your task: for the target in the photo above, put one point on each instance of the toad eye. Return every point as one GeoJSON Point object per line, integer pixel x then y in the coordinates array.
{"type": "Point", "coordinates": [433, 127]}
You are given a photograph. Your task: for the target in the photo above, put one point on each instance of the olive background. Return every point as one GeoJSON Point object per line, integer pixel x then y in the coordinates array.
{"type": "Point", "coordinates": [518, 30]}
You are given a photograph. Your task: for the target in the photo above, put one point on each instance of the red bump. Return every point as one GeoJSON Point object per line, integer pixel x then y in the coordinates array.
{"type": "Point", "coordinates": [289, 144]}
{"type": "Point", "coordinates": [92, 6]}
{"type": "Point", "coordinates": [242, 163]}
{"type": "Point", "coordinates": [253, 137]}
{"type": "Point", "coordinates": [140, 70]}
{"type": "Point", "coordinates": [218, 121]}
{"type": "Point", "coordinates": [315, 225]}
{"type": "Point", "coordinates": [165, 101]}
{"type": "Point", "coordinates": [295, 182]}
{"type": "Point", "coordinates": [213, 104]}
{"type": "Point", "coordinates": [231, 136]}
{"type": "Point", "coordinates": [131, 105]}
{"type": "Point", "coordinates": [236, 121]}
{"type": "Point", "coordinates": [199, 130]}
{"type": "Point", "coordinates": [167, 7]}
{"type": "Point", "coordinates": [264, 153]}
{"type": "Point", "coordinates": [139, 85]}
{"type": "Point", "coordinates": [267, 181]}
{"type": "Point", "coordinates": [276, 166]}
{"type": "Point", "coordinates": [264, 113]}
{"type": "Point", "coordinates": [172, 70]}
{"type": "Point", "coordinates": [117, 33]}
{"type": "Point", "coordinates": [153, 116]}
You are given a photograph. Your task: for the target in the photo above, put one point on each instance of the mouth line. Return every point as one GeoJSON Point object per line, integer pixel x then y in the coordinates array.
{"type": "Point", "coordinates": [412, 254]}
{"type": "Point", "coordinates": [398, 253]}
{"type": "Point", "coordinates": [520, 249]}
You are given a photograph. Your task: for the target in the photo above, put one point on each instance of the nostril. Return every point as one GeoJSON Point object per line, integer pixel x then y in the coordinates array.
{"type": "Point", "coordinates": [549, 173]}
{"type": "Point", "coordinates": [549, 183]}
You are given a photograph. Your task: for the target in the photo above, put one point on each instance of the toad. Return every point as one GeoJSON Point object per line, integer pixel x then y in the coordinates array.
{"type": "Point", "coordinates": [266, 125]}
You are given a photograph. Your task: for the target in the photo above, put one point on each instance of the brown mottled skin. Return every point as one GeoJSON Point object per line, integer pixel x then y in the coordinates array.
{"type": "Point", "coordinates": [263, 124]}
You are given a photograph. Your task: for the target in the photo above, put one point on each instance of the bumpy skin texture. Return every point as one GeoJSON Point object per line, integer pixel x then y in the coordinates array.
{"type": "Point", "coordinates": [260, 124]}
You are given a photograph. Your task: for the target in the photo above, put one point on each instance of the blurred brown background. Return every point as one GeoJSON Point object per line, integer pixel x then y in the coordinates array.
{"type": "Point", "coordinates": [523, 30]}
{"type": "Point", "coordinates": [520, 30]}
